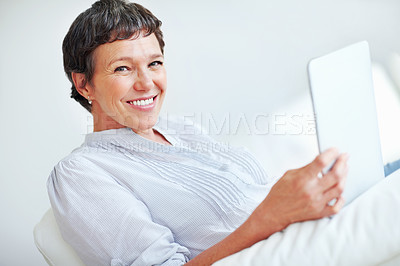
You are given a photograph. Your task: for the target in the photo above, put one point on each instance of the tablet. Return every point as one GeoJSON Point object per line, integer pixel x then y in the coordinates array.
{"type": "Point", "coordinates": [345, 113]}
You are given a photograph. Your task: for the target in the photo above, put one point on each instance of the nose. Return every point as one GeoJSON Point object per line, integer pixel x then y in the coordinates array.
{"type": "Point", "coordinates": [143, 81]}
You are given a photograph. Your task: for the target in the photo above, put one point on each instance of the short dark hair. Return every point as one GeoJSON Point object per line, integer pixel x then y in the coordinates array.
{"type": "Point", "coordinates": [106, 21]}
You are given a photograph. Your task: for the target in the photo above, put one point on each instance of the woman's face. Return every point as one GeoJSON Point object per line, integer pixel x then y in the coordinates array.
{"type": "Point", "coordinates": [129, 83]}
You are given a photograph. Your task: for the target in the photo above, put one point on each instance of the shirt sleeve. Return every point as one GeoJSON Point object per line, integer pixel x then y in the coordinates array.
{"type": "Point", "coordinates": [104, 222]}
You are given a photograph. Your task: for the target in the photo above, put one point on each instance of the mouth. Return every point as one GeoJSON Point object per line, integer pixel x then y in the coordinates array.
{"type": "Point", "coordinates": [144, 101]}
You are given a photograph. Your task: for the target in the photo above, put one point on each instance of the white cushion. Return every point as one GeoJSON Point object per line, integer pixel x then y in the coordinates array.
{"type": "Point", "coordinates": [50, 243]}
{"type": "Point", "coordinates": [366, 232]}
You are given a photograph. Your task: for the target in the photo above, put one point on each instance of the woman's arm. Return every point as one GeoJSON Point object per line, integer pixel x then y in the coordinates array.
{"type": "Point", "coordinates": [105, 222]}
{"type": "Point", "coordinates": [299, 195]}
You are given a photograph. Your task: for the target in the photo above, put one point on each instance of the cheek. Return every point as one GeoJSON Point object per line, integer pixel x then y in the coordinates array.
{"type": "Point", "coordinates": [116, 89]}
{"type": "Point", "coordinates": [161, 80]}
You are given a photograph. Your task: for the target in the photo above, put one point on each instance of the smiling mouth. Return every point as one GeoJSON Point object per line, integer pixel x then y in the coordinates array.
{"type": "Point", "coordinates": [143, 102]}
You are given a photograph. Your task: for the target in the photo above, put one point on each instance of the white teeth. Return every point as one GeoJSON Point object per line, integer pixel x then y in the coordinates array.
{"type": "Point", "coordinates": [142, 102]}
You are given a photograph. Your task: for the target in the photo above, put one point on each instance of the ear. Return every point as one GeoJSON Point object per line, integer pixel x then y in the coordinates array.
{"type": "Point", "coordinates": [81, 84]}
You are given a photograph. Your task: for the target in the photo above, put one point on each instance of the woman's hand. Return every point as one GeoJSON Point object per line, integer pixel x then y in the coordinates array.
{"type": "Point", "coordinates": [299, 195]}
{"type": "Point", "coordinates": [302, 195]}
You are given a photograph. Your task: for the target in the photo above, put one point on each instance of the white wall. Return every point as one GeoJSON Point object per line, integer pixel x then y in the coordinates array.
{"type": "Point", "coordinates": [236, 57]}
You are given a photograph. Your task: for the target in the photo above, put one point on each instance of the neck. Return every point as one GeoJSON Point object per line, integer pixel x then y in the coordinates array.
{"type": "Point", "coordinates": [101, 121]}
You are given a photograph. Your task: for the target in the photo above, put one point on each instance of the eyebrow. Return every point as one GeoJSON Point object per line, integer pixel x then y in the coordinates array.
{"type": "Point", "coordinates": [127, 58]}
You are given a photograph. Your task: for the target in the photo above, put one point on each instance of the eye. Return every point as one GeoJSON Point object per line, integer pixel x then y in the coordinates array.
{"type": "Point", "coordinates": [121, 68]}
{"type": "Point", "coordinates": [156, 64]}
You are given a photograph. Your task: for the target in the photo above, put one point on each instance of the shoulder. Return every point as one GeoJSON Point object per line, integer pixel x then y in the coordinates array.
{"type": "Point", "coordinates": [69, 170]}
{"type": "Point", "coordinates": [84, 166]}
{"type": "Point", "coordinates": [79, 158]}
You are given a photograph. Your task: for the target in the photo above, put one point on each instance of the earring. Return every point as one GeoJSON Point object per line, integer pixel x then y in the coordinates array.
{"type": "Point", "coordinates": [88, 98]}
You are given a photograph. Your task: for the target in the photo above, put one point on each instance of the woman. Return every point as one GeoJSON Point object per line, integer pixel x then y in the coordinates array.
{"type": "Point", "coordinates": [138, 192]}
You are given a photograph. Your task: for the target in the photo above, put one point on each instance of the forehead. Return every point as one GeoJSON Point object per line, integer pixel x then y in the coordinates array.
{"type": "Point", "coordinates": [134, 48]}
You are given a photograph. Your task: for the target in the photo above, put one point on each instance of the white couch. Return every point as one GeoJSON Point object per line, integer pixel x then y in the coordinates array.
{"type": "Point", "coordinates": [50, 243]}
{"type": "Point", "coordinates": [367, 232]}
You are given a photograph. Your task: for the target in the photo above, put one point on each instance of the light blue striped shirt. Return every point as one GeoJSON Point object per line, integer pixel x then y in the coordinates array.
{"type": "Point", "coordinates": [121, 199]}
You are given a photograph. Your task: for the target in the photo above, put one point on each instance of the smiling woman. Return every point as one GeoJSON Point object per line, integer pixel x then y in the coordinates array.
{"type": "Point", "coordinates": [128, 85]}
{"type": "Point", "coordinates": [139, 192]}
{"type": "Point", "coordinates": [104, 65]}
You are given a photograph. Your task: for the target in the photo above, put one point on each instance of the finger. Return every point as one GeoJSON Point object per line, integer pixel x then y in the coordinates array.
{"type": "Point", "coordinates": [337, 177]}
{"type": "Point", "coordinates": [336, 174]}
{"type": "Point", "coordinates": [331, 210]}
{"type": "Point", "coordinates": [334, 192]}
{"type": "Point", "coordinates": [322, 161]}
{"type": "Point", "coordinates": [340, 164]}
{"type": "Point", "coordinates": [343, 179]}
